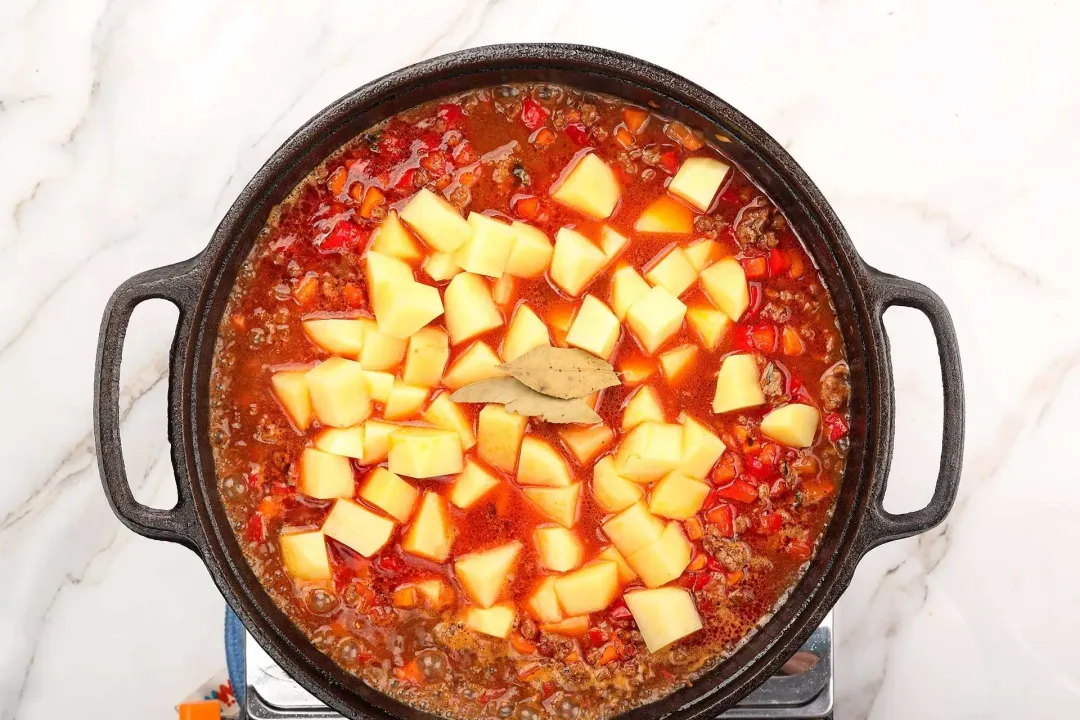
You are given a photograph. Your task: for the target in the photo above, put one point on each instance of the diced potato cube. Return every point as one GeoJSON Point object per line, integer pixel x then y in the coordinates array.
{"type": "Point", "coordinates": [381, 351]}
{"type": "Point", "coordinates": [556, 503]}
{"type": "Point", "coordinates": [338, 336]}
{"type": "Point", "coordinates": [613, 493]}
{"type": "Point", "coordinates": [543, 604]}
{"type": "Point", "coordinates": [636, 370]}
{"type": "Point", "coordinates": [575, 262]}
{"type": "Point", "coordinates": [724, 282]}
{"type": "Point", "coordinates": [472, 485]}
{"type": "Point", "coordinates": [405, 401]}
{"type": "Point", "coordinates": [339, 392]}
{"type": "Point", "coordinates": [291, 390]}
{"type": "Point", "coordinates": [649, 451]}
{"type": "Point", "coordinates": [446, 414]}
{"type": "Point", "coordinates": [389, 493]}
{"type": "Point", "coordinates": [477, 363]}
{"type": "Point", "coordinates": [496, 621]}
{"type": "Point", "coordinates": [709, 324]}
{"type": "Point", "coordinates": [470, 311]}
{"type": "Point", "coordinates": [612, 243]}
{"type": "Point", "coordinates": [634, 528]}
{"type": "Point", "coordinates": [655, 317]}
{"type": "Point", "coordinates": [354, 525]}
{"type": "Point", "coordinates": [391, 238]}
{"type": "Point", "coordinates": [425, 452]}
{"type": "Point", "coordinates": [385, 273]}
{"type": "Point", "coordinates": [795, 425]}
{"type": "Point", "coordinates": [347, 442]}
{"type": "Point", "coordinates": [588, 590]}
{"type": "Point", "coordinates": [430, 535]}
{"type": "Point", "coordinates": [665, 215]}
{"type": "Point", "coordinates": [586, 443]}
{"type": "Point", "coordinates": [504, 292]}
{"type": "Point", "coordinates": [541, 464]}
{"type": "Point", "coordinates": [664, 560]}
{"type": "Point", "coordinates": [675, 273]}
{"type": "Point", "coordinates": [499, 436]}
{"type": "Point", "coordinates": [595, 328]}
{"type": "Point", "coordinates": [559, 549]}
{"type": "Point", "coordinates": [484, 574]}
{"type": "Point", "coordinates": [531, 253]}
{"type": "Point", "coordinates": [698, 180]}
{"type": "Point", "coordinates": [737, 384]}
{"type": "Point", "coordinates": [425, 357]}
{"type": "Point", "coordinates": [677, 496]}
{"type": "Point", "coordinates": [376, 441]}
{"type": "Point", "coordinates": [703, 253]}
{"type": "Point", "coordinates": [526, 331]}
{"type": "Point", "coordinates": [436, 592]}
{"type": "Point", "coordinates": [643, 406]}
{"type": "Point", "coordinates": [626, 573]}
{"type": "Point", "coordinates": [677, 361]}
{"type": "Point", "coordinates": [305, 557]}
{"type": "Point", "coordinates": [701, 448]}
{"type": "Point", "coordinates": [436, 221]}
{"type": "Point", "coordinates": [569, 627]}
{"type": "Point", "coordinates": [409, 308]}
{"type": "Point", "coordinates": [441, 267]}
{"type": "Point", "coordinates": [486, 251]}
{"type": "Point", "coordinates": [663, 615]}
{"type": "Point", "coordinates": [325, 476]}
{"type": "Point", "coordinates": [379, 385]}
{"type": "Point", "coordinates": [590, 188]}
{"type": "Point", "coordinates": [627, 287]}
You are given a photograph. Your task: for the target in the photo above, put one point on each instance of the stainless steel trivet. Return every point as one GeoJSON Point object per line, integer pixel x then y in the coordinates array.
{"type": "Point", "coordinates": [804, 689]}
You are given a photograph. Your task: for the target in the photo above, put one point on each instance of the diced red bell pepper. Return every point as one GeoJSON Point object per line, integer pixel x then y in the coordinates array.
{"type": "Point", "coordinates": [345, 236]}
{"type": "Point", "coordinates": [778, 489]}
{"type": "Point", "coordinates": [597, 637]}
{"type": "Point", "coordinates": [451, 115]}
{"type": "Point", "coordinates": [695, 581]}
{"type": "Point", "coordinates": [836, 426]}
{"type": "Point", "coordinates": [763, 338]}
{"type": "Point", "coordinates": [755, 268]}
{"type": "Point", "coordinates": [464, 154]}
{"type": "Point", "coordinates": [757, 469]}
{"type": "Point", "coordinates": [532, 114]}
{"type": "Point", "coordinates": [778, 262]}
{"type": "Point", "coordinates": [799, 550]}
{"type": "Point", "coordinates": [436, 163]}
{"type": "Point", "coordinates": [770, 523]}
{"type": "Point", "coordinates": [256, 531]}
{"type": "Point", "coordinates": [739, 490]}
{"type": "Point", "coordinates": [431, 140]}
{"type": "Point", "coordinates": [406, 182]}
{"type": "Point", "coordinates": [578, 133]}
{"type": "Point", "coordinates": [669, 160]}
{"type": "Point", "coordinates": [723, 518]}
{"type": "Point", "coordinates": [390, 563]}
{"type": "Point", "coordinates": [715, 565]}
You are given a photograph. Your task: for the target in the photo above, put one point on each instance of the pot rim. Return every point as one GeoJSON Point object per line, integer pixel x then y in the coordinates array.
{"type": "Point", "coordinates": [199, 285]}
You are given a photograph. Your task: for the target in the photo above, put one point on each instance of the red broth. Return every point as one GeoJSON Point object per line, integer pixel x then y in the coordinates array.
{"type": "Point", "coordinates": [500, 151]}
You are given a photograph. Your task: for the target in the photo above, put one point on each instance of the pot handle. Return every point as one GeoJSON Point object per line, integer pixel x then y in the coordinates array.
{"type": "Point", "coordinates": [179, 285]}
{"type": "Point", "coordinates": [882, 526]}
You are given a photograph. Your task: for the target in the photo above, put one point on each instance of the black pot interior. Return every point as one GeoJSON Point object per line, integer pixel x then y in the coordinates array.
{"type": "Point", "coordinates": [741, 141]}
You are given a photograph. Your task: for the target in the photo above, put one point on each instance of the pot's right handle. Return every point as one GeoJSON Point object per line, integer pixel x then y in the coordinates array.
{"type": "Point", "coordinates": [179, 284]}
{"type": "Point", "coordinates": [882, 526]}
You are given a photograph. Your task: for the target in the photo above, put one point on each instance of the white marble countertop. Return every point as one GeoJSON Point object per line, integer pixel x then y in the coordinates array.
{"type": "Point", "coordinates": [944, 134]}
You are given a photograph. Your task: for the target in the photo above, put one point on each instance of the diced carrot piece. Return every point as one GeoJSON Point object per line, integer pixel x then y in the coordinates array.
{"type": "Point", "coordinates": [755, 268]}
{"type": "Point", "coordinates": [797, 266]}
{"type": "Point", "coordinates": [725, 469]}
{"type": "Point", "coordinates": [356, 191]}
{"type": "Point", "coordinates": [527, 206]}
{"type": "Point", "coordinates": [373, 198]}
{"type": "Point", "coordinates": [336, 182]}
{"type": "Point", "coordinates": [816, 490]}
{"type": "Point", "coordinates": [634, 119]}
{"type": "Point", "coordinates": [354, 296]}
{"type": "Point", "coordinates": [735, 577]}
{"type": "Point", "coordinates": [467, 179]}
{"type": "Point", "coordinates": [624, 138]}
{"type": "Point", "coordinates": [523, 646]}
{"type": "Point", "coordinates": [608, 655]}
{"type": "Point", "coordinates": [271, 506]}
{"type": "Point", "coordinates": [678, 131]}
{"type": "Point", "coordinates": [792, 343]}
{"type": "Point", "coordinates": [572, 656]}
{"type": "Point", "coordinates": [694, 531]}
{"type": "Point", "coordinates": [544, 137]}
{"type": "Point", "coordinates": [698, 563]}
{"type": "Point", "coordinates": [239, 322]}
{"type": "Point", "coordinates": [306, 290]}
{"type": "Point", "coordinates": [405, 597]}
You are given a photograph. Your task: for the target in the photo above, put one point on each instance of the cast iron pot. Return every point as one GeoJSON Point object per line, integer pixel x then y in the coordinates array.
{"type": "Point", "coordinates": [199, 287]}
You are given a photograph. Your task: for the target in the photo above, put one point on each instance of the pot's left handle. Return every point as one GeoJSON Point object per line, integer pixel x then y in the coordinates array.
{"type": "Point", "coordinates": [179, 284]}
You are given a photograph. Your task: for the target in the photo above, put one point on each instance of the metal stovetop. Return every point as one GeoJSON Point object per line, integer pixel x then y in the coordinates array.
{"type": "Point", "coordinates": [803, 690]}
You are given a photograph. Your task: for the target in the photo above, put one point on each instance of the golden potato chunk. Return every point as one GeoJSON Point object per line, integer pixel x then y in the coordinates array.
{"type": "Point", "coordinates": [643, 406]}
{"type": "Point", "coordinates": [556, 503]}
{"type": "Point", "coordinates": [575, 262]}
{"type": "Point", "coordinates": [588, 442]}
{"type": "Point", "coordinates": [613, 493]}
{"type": "Point", "coordinates": [484, 574]}
{"type": "Point", "coordinates": [446, 414]}
{"type": "Point", "coordinates": [404, 402]}
{"type": "Point", "coordinates": [390, 493]}
{"type": "Point", "coordinates": [595, 328]}
{"type": "Point", "coordinates": [381, 351]}
{"type": "Point", "coordinates": [709, 324]}
{"type": "Point", "coordinates": [677, 496]}
{"type": "Point", "coordinates": [543, 604]}
{"type": "Point", "coordinates": [737, 384]}
{"type": "Point", "coordinates": [698, 180]}
{"type": "Point", "coordinates": [418, 452]}
{"type": "Point", "coordinates": [541, 464]}
{"type": "Point", "coordinates": [650, 451]}
{"type": "Point", "coordinates": [291, 390]}
{"type": "Point", "coordinates": [568, 627]}
{"type": "Point", "coordinates": [676, 362]}
{"type": "Point", "coordinates": [666, 216]}
{"type": "Point", "coordinates": [391, 238]}
{"type": "Point", "coordinates": [425, 357]}
{"type": "Point", "coordinates": [499, 436]}
{"type": "Point", "coordinates": [674, 272]}
{"type": "Point", "coordinates": [477, 363]}
{"type": "Point", "coordinates": [379, 385]}
{"type": "Point", "coordinates": [470, 310]}
{"type": "Point", "coordinates": [795, 425]}
{"type": "Point", "coordinates": [348, 442]}
{"type": "Point", "coordinates": [588, 590]}
{"type": "Point", "coordinates": [590, 188]}
{"type": "Point", "coordinates": [627, 287]}
{"type": "Point", "coordinates": [559, 549]}
{"type": "Point", "coordinates": [701, 448]}
{"type": "Point", "coordinates": [634, 528]}
{"type": "Point", "coordinates": [611, 554]}
{"type": "Point", "coordinates": [526, 331]}
{"type": "Point", "coordinates": [664, 560]}
{"type": "Point", "coordinates": [496, 621]}
{"type": "Point", "coordinates": [357, 527]}
{"type": "Point", "coordinates": [663, 615]}
{"type": "Point", "coordinates": [339, 392]}
{"type": "Point", "coordinates": [612, 243]}
{"type": "Point", "coordinates": [337, 336]}
{"type": "Point", "coordinates": [703, 253]}
{"type": "Point", "coordinates": [472, 485]}
{"type": "Point", "coordinates": [487, 250]}
{"type": "Point", "coordinates": [305, 557]}
{"type": "Point", "coordinates": [430, 535]}
{"type": "Point", "coordinates": [436, 221]}
{"type": "Point", "coordinates": [325, 476]}
{"type": "Point", "coordinates": [441, 267]}
{"type": "Point", "coordinates": [724, 283]}
{"type": "Point", "coordinates": [531, 253]}
{"type": "Point", "coordinates": [655, 317]}
{"type": "Point", "coordinates": [376, 441]}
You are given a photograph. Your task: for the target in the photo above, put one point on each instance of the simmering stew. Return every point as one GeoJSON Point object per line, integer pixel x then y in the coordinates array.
{"type": "Point", "coordinates": [639, 488]}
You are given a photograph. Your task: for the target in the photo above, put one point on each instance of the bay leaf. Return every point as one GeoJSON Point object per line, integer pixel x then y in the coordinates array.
{"type": "Point", "coordinates": [519, 398]}
{"type": "Point", "coordinates": [565, 373]}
